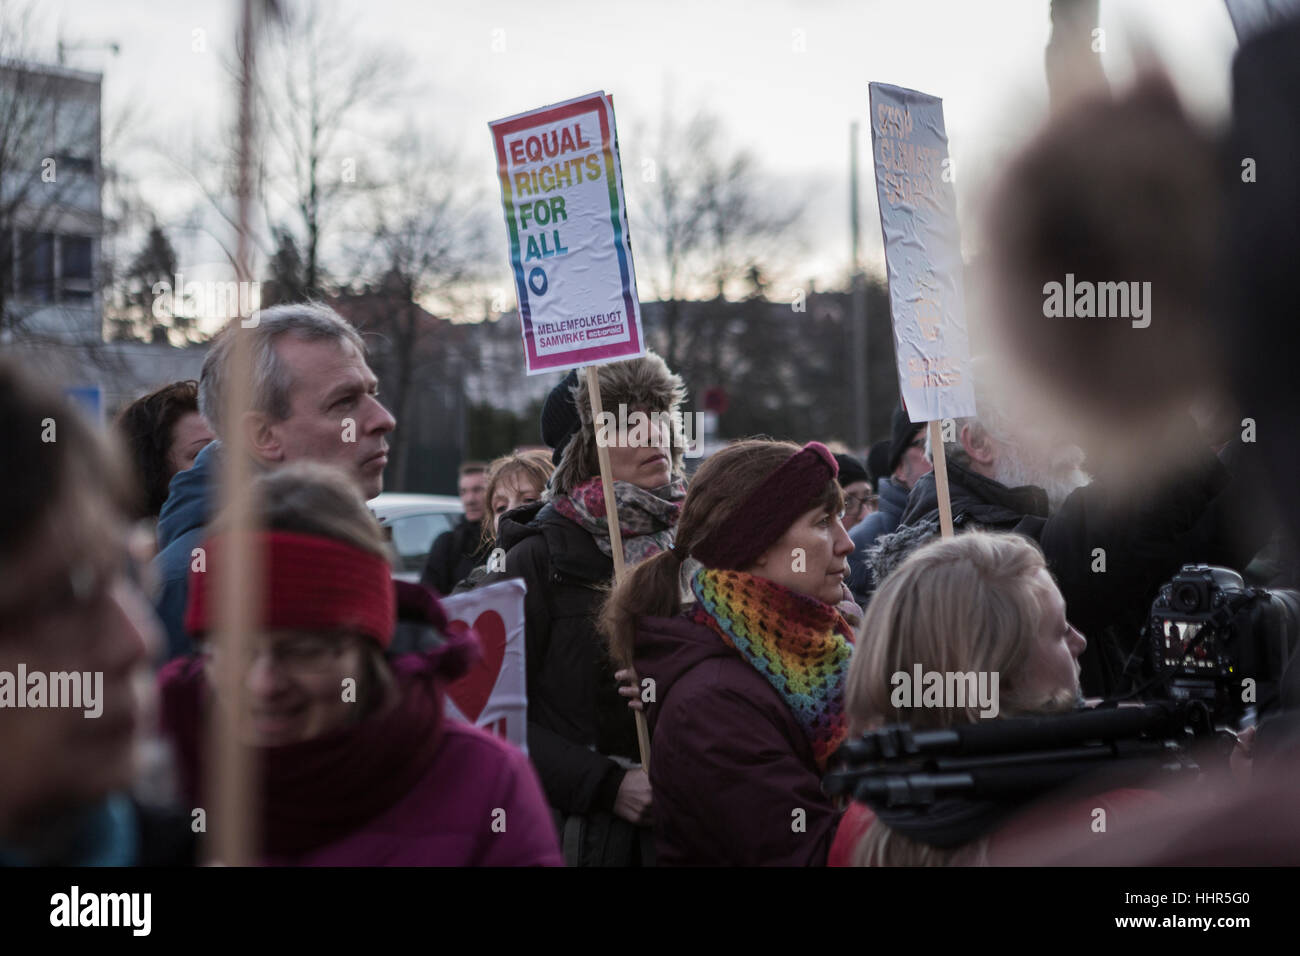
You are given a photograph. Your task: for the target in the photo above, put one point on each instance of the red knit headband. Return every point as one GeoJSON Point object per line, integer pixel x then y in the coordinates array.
{"type": "Point", "coordinates": [311, 584]}
{"type": "Point", "coordinates": [768, 511]}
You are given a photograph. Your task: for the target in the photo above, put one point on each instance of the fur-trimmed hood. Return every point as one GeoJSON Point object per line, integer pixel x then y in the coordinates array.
{"type": "Point", "coordinates": [641, 383]}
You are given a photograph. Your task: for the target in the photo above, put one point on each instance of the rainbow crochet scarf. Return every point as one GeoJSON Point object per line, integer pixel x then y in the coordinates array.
{"type": "Point", "coordinates": [799, 644]}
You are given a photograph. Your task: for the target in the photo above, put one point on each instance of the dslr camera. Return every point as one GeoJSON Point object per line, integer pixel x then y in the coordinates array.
{"type": "Point", "coordinates": [1213, 639]}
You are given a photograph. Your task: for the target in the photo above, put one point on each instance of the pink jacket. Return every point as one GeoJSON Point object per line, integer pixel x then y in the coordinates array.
{"type": "Point", "coordinates": [479, 804]}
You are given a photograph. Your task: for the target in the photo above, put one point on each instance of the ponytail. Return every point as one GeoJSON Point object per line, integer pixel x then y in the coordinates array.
{"type": "Point", "coordinates": [650, 589]}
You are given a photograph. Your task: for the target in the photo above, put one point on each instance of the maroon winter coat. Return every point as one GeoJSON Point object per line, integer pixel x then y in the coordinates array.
{"type": "Point", "coordinates": [730, 766]}
{"type": "Point", "coordinates": [473, 799]}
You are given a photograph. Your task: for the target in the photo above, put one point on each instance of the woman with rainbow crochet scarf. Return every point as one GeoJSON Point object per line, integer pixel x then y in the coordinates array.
{"type": "Point", "coordinates": [742, 662]}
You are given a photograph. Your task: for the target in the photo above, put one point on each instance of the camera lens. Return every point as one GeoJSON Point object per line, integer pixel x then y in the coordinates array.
{"type": "Point", "coordinates": [1186, 598]}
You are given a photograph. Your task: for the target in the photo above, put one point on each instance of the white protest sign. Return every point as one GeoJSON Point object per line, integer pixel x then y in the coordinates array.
{"type": "Point", "coordinates": [493, 694]}
{"type": "Point", "coordinates": [562, 191]}
{"type": "Point", "coordinates": [918, 214]}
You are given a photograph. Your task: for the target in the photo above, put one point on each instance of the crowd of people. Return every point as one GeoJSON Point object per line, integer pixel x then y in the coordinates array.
{"type": "Point", "coordinates": [735, 610]}
{"type": "Point", "coordinates": [767, 605]}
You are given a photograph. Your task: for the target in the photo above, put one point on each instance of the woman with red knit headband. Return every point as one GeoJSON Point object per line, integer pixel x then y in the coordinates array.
{"type": "Point", "coordinates": [744, 685]}
{"type": "Point", "coordinates": [358, 765]}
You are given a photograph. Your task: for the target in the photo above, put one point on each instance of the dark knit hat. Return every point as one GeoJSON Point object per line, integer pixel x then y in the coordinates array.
{"type": "Point", "coordinates": [904, 433]}
{"type": "Point", "coordinates": [851, 470]}
{"type": "Point", "coordinates": [560, 420]}
{"type": "Point", "coordinates": [878, 463]}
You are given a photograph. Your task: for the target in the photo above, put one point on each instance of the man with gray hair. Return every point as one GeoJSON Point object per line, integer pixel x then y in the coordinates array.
{"type": "Point", "coordinates": [1005, 472]}
{"type": "Point", "coordinates": [313, 397]}
{"type": "Point", "coordinates": [1108, 550]}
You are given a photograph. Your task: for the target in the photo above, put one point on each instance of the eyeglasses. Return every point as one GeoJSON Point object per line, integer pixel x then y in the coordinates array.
{"type": "Point", "coordinates": [300, 654]}
{"type": "Point", "coordinates": [854, 503]}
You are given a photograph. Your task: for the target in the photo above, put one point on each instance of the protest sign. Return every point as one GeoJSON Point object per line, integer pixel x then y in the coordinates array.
{"type": "Point", "coordinates": [918, 214]}
{"type": "Point", "coordinates": [562, 190]}
{"type": "Point", "coordinates": [493, 694]}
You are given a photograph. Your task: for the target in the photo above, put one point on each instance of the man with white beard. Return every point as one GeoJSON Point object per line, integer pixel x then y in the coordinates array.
{"type": "Point", "coordinates": [1109, 552]}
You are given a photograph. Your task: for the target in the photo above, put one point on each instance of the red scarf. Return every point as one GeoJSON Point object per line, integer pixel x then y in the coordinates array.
{"type": "Point", "coordinates": [316, 792]}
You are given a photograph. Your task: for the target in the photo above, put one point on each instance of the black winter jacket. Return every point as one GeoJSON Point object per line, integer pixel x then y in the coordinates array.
{"type": "Point", "coordinates": [1196, 516]}
{"type": "Point", "coordinates": [453, 556]}
{"type": "Point", "coordinates": [575, 713]}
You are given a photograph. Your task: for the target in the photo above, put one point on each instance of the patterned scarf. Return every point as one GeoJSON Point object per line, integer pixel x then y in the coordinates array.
{"type": "Point", "coordinates": [799, 644]}
{"type": "Point", "coordinates": [646, 518]}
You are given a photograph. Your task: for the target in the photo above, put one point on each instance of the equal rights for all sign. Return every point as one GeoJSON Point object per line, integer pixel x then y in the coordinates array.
{"type": "Point", "coordinates": [918, 214]}
{"type": "Point", "coordinates": [562, 190]}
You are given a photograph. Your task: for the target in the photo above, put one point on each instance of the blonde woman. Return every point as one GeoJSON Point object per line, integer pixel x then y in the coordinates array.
{"type": "Point", "coordinates": [513, 481]}
{"type": "Point", "coordinates": [979, 602]}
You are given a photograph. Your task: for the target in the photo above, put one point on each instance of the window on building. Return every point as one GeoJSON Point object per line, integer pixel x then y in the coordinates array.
{"type": "Point", "coordinates": [83, 165]}
{"type": "Point", "coordinates": [78, 270]}
{"type": "Point", "coordinates": [36, 266]}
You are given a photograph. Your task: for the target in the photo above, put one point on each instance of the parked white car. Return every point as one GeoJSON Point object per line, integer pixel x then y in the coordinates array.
{"type": "Point", "coordinates": [412, 522]}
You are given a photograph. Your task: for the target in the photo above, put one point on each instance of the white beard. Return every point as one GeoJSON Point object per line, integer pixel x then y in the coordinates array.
{"type": "Point", "coordinates": [1057, 472]}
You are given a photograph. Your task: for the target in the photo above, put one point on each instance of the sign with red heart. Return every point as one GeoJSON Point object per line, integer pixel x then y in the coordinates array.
{"type": "Point", "coordinates": [472, 691]}
{"type": "Point", "coordinates": [493, 693]}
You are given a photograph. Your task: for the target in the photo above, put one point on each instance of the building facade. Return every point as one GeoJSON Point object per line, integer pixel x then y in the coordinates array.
{"type": "Point", "coordinates": [51, 216]}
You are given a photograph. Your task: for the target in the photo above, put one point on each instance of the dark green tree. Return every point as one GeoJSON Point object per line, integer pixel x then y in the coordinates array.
{"type": "Point", "coordinates": [287, 281]}
{"type": "Point", "coordinates": [152, 268]}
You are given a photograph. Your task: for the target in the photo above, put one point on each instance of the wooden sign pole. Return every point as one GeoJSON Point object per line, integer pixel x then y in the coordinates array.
{"type": "Point", "coordinates": [231, 777]}
{"type": "Point", "coordinates": [941, 479]}
{"type": "Point", "coordinates": [615, 536]}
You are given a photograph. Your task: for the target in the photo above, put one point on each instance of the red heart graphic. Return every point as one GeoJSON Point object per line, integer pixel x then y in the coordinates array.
{"type": "Point", "coordinates": [471, 692]}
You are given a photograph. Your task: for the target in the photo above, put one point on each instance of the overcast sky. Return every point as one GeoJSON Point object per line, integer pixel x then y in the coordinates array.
{"type": "Point", "coordinates": [790, 105]}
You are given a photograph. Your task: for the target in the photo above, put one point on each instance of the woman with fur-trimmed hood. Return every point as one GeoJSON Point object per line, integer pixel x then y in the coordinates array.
{"type": "Point", "coordinates": [581, 735]}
